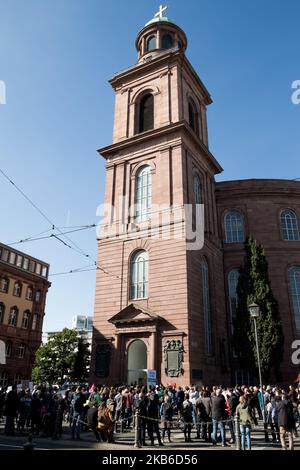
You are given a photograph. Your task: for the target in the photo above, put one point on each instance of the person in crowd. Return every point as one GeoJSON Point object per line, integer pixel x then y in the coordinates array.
{"type": "Point", "coordinates": [11, 408]}
{"type": "Point", "coordinates": [77, 412]}
{"type": "Point", "coordinates": [203, 406]}
{"type": "Point", "coordinates": [92, 420]}
{"type": "Point", "coordinates": [186, 414]}
{"type": "Point", "coordinates": [286, 421]}
{"type": "Point", "coordinates": [142, 408]}
{"type": "Point", "coordinates": [106, 422]}
{"type": "Point", "coordinates": [154, 418]}
{"type": "Point", "coordinates": [166, 413]}
{"type": "Point", "coordinates": [244, 413]}
{"type": "Point", "coordinates": [218, 414]}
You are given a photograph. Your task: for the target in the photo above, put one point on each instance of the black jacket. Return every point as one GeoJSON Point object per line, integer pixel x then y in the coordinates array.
{"type": "Point", "coordinates": [285, 414]}
{"type": "Point", "coordinates": [218, 406]}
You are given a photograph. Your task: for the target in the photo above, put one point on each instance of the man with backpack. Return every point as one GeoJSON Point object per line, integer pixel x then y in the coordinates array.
{"type": "Point", "coordinates": [77, 411]}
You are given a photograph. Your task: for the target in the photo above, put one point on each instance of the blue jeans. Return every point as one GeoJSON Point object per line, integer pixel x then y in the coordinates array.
{"type": "Point", "coordinates": [76, 424]}
{"type": "Point", "coordinates": [245, 435]}
{"type": "Point", "coordinates": [216, 425]}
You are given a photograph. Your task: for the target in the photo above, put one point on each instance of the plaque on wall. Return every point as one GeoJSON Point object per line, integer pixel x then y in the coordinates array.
{"type": "Point", "coordinates": [173, 357]}
{"type": "Point", "coordinates": [102, 360]}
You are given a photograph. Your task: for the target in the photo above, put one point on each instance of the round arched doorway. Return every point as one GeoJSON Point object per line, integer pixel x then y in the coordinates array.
{"type": "Point", "coordinates": [137, 363]}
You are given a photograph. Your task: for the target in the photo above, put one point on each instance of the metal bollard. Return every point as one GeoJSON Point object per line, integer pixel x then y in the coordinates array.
{"type": "Point", "coordinates": [237, 433]}
{"type": "Point", "coordinates": [137, 442]}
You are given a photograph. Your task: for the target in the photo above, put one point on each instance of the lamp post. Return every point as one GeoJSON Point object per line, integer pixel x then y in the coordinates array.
{"type": "Point", "coordinates": [254, 311]}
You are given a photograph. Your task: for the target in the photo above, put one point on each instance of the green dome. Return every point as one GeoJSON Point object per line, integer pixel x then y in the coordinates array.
{"type": "Point", "coordinates": [158, 19]}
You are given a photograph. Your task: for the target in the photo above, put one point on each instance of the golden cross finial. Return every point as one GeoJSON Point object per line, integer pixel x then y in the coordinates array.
{"type": "Point", "coordinates": [162, 9]}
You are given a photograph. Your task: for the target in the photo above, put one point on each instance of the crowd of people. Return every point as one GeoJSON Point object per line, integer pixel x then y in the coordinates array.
{"type": "Point", "coordinates": [207, 412]}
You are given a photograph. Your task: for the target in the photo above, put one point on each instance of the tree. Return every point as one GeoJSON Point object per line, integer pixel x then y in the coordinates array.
{"type": "Point", "coordinates": [80, 371]}
{"type": "Point", "coordinates": [56, 359]}
{"type": "Point", "coordinates": [254, 287]}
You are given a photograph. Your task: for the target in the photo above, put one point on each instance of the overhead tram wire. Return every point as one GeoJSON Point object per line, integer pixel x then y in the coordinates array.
{"type": "Point", "coordinates": [75, 247]}
{"type": "Point", "coordinates": [33, 239]}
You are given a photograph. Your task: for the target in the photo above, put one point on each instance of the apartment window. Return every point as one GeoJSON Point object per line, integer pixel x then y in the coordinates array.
{"type": "Point", "coordinates": [26, 319]}
{"type": "Point", "coordinates": [12, 257]}
{"type": "Point", "coordinates": [17, 289]}
{"type": "Point", "coordinates": [4, 285]}
{"type": "Point", "coordinates": [3, 379]}
{"type": "Point", "coordinates": [29, 293]}
{"type": "Point", "coordinates": [18, 378]}
{"type": "Point", "coordinates": [13, 316]}
{"type": "Point", "coordinates": [5, 255]}
{"type": "Point", "coordinates": [37, 296]}
{"type": "Point", "coordinates": [26, 264]}
{"type": "Point", "coordinates": [19, 261]}
{"type": "Point", "coordinates": [2, 312]}
{"type": "Point", "coordinates": [20, 352]}
{"type": "Point", "coordinates": [44, 271]}
{"type": "Point", "coordinates": [34, 322]}
{"type": "Point", "coordinates": [38, 268]}
{"type": "Point", "coordinates": [32, 266]}
{"type": "Point", "coordinates": [8, 349]}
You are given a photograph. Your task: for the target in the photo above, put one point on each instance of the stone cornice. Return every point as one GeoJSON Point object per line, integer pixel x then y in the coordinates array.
{"type": "Point", "coordinates": [180, 126]}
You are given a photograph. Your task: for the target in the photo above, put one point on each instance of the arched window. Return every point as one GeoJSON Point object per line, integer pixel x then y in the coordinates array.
{"type": "Point", "coordinates": [151, 43]}
{"type": "Point", "coordinates": [143, 193]}
{"type": "Point", "coordinates": [29, 293]}
{"type": "Point", "coordinates": [3, 379]}
{"type": "Point", "coordinates": [8, 349]}
{"type": "Point", "coordinates": [17, 289]}
{"type": "Point", "coordinates": [146, 114]}
{"type": "Point", "coordinates": [167, 41]}
{"type": "Point", "coordinates": [233, 278]}
{"type": "Point", "coordinates": [234, 227]}
{"type": "Point", "coordinates": [26, 319]}
{"type": "Point", "coordinates": [4, 285]}
{"type": "Point", "coordinates": [139, 275]}
{"type": "Point", "coordinates": [294, 281]}
{"type": "Point", "coordinates": [193, 117]}
{"type": "Point", "coordinates": [289, 225]}
{"type": "Point", "coordinates": [197, 189]}
{"type": "Point", "coordinates": [206, 307]}
{"type": "Point", "coordinates": [13, 316]}
{"type": "Point", "coordinates": [2, 312]}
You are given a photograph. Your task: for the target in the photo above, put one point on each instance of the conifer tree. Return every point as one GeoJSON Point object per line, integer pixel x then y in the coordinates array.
{"type": "Point", "coordinates": [254, 287]}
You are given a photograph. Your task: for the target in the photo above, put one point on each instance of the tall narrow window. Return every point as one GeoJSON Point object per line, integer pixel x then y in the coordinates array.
{"type": "Point", "coordinates": [17, 289]}
{"type": "Point", "coordinates": [13, 316]}
{"type": "Point", "coordinates": [4, 284]}
{"type": "Point", "coordinates": [29, 293]}
{"type": "Point", "coordinates": [2, 311]}
{"type": "Point", "coordinates": [151, 43]}
{"type": "Point", "coordinates": [167, 41]}
{"type": "Point", "coordinates": [139, 275]}
{"type": "Point", "coordinates": [3, 379]}
{"type": "Point", "coordinates": [234, 227]}
{"type": "Point", "coordinates": [197, 189]}
{"type": "Point", "coordinates": [8, 348]}
{"type": "Point", "coordinates": [146, 114]}
{"type": "Point", "coordinates": [34, 322]}
{"type": "Point", "coordinates": [206, 308]}
{"type": "Point", "coordinates": [289, 225]}
{"type": "Point", "coordinates": [20, 351]}
{"type": "Point", "coordinates": [143, 193]}
{"type": "Point", "coordinates": [193, 117]}
{"type": "Point", "coordinates": [37, 296]}
{"type": "Point", "coordinates": [26, 318]}
{"type": "Point", "coordinates": [294, 281]}
{"type": "Point", "coordinates": [233, 279]}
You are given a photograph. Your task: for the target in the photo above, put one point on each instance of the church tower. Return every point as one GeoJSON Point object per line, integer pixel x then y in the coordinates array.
{"type": "Point", "coordinates": [159, 302]}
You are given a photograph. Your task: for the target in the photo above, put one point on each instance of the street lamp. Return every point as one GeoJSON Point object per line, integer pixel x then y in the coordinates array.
{"type": "Point", "coordinates": [254, 311]}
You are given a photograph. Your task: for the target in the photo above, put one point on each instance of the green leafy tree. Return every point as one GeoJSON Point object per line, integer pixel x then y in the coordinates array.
{"type": "Point", "coordinates": [56, 358]}
{"type": "Point", "coordinates": [254, 287]}
{"type": "Point", "coordinates": [81, 368]}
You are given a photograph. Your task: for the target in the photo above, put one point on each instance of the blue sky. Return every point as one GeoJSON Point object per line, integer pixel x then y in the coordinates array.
{"type": "Point", "coordinates": [56, 57]}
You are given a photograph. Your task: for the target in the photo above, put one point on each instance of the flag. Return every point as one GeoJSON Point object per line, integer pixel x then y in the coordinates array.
{"type": "Point", "coordinates": [91, 390]}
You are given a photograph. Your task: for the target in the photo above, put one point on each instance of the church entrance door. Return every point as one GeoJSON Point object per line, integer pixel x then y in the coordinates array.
{"type": "Point", "coordinates": [137, 363]}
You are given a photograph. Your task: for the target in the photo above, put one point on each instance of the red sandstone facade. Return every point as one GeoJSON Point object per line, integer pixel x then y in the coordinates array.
{"type": "Point", "coordinates": [181, 327]}
{"type": "Point", "coordinates": [23, 289]}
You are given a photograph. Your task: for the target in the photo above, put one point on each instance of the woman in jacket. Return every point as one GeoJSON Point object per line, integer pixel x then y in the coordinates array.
{"type": "Point", "coordinates": [244, 413]}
